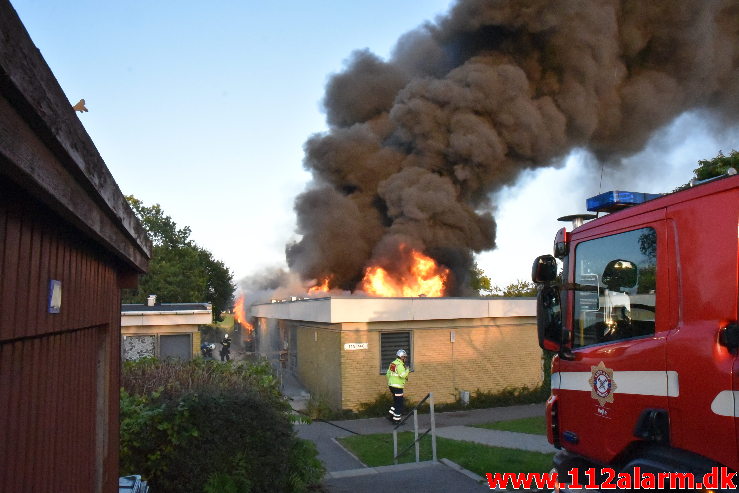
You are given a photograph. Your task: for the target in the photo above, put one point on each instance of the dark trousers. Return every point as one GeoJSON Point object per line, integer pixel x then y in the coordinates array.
{"type": "Point", "coordinates": [397, 399]}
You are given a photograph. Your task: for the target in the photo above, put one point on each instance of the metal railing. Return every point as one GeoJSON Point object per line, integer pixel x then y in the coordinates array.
{"type": "Point", "coordinates": [416, 441]}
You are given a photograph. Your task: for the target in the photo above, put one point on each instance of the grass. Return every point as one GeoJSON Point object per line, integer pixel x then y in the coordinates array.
{"type": "Point", "coordinates": [228, 321]}
{"type": "Point", "coordinates": [377, 450]}
{"type": "Point", "coordinates": [533, 426]}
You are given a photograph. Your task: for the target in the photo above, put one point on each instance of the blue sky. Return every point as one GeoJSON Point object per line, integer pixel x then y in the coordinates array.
{"type": "Point", "coordinates": [204, 109]}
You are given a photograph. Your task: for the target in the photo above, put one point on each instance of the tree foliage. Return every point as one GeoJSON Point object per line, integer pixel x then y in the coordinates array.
{"type": "Point", "coordinates": [479, 281]}
{"type": "Point", "coordinates": [482, 284]}
{"type": "Point", "coordinates": [179, 271]}
{"type": "Point", "coordinates": [516, 289]}
{"type": "Point", "coordinates": [710, 168]}
{"type": "Point", "coordinates": [199, 425]}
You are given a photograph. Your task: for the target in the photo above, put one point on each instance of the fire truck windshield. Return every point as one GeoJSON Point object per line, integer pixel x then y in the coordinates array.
{"type": "Point", "coordinates": [615, 287]}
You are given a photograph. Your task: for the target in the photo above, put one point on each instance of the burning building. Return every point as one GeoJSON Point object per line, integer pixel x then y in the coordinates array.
{"type": "Point", "coordinates": [340, 347]}
{"type": "Point", "coordinates": [418, 143]}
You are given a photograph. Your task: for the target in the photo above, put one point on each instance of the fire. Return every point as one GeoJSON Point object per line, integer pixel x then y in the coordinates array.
{"type": "Point", "coordinates": [321, 287]}
{"type": "Point", "coordinates": [423, 278]}
{"type": "Point", "coordinates": [240, 314]}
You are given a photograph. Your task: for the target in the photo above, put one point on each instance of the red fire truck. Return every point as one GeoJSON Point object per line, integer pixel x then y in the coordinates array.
{"type": "Point", "coordinates": [643, 318]}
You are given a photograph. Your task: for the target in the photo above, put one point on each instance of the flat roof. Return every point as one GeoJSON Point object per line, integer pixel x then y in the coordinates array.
{"type": "Point", "coordinates": [174, 308]}
{"type": "Point", "coordinates": [341, 309]}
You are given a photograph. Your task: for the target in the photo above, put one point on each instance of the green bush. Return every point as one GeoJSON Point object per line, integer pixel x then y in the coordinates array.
{"type": "Point", "coordinates": [211, 426]}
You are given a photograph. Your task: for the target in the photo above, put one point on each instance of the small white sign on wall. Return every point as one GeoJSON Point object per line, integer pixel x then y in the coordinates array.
{"type": "Point", "coordinates": [352, 346]}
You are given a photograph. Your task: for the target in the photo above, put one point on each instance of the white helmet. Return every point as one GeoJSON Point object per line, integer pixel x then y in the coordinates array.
{"type": "Point", "coordinates": [401, 353]}
{"type": "Point", "coordinates": [226, 336]}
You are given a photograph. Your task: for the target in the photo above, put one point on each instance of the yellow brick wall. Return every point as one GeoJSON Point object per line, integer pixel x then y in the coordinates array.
{"type": "Point", "coordinates": [488, 354]}
{"type": "Point", "coordinates": [196, 344]}
{"type": "Point", "coordinates": [319, 361]}
{"type": "Point", "coordinates": [166, 330]}
{"type": "Point", "coordinates": [360, 369]}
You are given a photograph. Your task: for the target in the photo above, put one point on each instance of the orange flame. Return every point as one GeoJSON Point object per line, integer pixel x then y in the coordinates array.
{"type": "Point", "coordinates": [240, 314]}
{"type": "Point", "coordinates": [423, 278]}
{"type": "Point", "coordinates": [321, 287]}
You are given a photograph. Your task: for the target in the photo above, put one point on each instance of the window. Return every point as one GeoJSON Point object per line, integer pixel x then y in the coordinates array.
{"type": "Point", "coordinates": [615, 287]}
{"type": "Point", "coordinates": [390, 342]}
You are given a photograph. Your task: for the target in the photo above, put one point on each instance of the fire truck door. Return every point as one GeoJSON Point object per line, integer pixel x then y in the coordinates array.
{"type": "Point", "coordinates": [704, 300]}
{"type": "Point", "coordinates": [617, 377]}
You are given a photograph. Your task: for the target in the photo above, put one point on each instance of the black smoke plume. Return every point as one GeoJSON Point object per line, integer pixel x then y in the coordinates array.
{"type": "Point", "coordinates": [417, 144]}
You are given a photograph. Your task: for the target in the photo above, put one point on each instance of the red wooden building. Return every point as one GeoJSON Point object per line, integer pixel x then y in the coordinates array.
{"type": "Point", "coordinates": [68, 244]}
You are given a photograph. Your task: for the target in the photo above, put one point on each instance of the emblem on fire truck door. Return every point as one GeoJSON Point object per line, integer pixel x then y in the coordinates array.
{"type": "Point", "coordinates": [602, 384]}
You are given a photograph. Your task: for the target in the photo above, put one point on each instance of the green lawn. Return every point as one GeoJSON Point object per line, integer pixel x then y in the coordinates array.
{"type": "Point", "coordinates": [228, 321]}
{"type": "Point", "coordinates": [533, 426]}
{"type": "Point", "coordinates": [377, 450]}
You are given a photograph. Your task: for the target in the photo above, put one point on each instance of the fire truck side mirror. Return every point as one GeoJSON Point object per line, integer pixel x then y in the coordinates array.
{"type": "Point", "coordinates": [729, 336]}
{"type": "Point", "coordinates": [544, 269]}
{"type": "Point", "coordinates": [549, 318]}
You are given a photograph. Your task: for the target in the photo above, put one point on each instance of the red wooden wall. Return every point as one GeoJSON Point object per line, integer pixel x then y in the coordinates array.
{"type": "Point", "coordinates": [59, 373]}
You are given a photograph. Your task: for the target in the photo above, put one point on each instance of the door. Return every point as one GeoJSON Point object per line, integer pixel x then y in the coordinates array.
{"type": "Point", "coordinates": [703, 415]}
{"type": "Point", "coordinates": [175, 346]}
{"type": "Point", "coordinates": [616, 377]}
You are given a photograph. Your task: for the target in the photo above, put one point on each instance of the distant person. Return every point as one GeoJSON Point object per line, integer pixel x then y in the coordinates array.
{"type": "Point", "coordinates": [397, 376]}
{"type": "Point", "coordinates": [206, 349]}
{"type": "Point", "coordinates": [226, 348]}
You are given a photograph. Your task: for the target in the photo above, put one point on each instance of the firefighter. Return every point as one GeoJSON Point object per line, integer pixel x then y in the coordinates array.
{"type": "Point", "coordinates": [397, 376]}
{"type": "Point", "coordinates": [226, 348]}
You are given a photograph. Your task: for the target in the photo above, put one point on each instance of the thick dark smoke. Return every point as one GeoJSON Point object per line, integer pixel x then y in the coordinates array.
{"type": "Point", "coordinates": [417, 144]}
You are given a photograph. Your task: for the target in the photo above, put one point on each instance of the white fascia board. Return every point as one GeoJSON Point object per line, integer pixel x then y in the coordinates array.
{"type": "Point", "coordinates": [311, 310]}
{"type": "Point", "coordinates": [371, 309]}
{"type": "Point", "coordinates": [512, 307]}
{"type": "Point", "coordinates": [190, 317]}
{"type": "Point", "coordinates": [356, 309]}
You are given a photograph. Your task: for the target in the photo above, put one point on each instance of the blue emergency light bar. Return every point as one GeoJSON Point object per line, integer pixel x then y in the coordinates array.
{"type": "Point", "coordinates": [617, 200]}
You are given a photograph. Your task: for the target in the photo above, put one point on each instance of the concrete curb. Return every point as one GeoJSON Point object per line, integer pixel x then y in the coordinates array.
{"type": "Point", "coordinates": [462, 470]}
{"type": "Point", "coordinates": [378, 470]}
{"type": "Point", "coordinates": [333, 439]}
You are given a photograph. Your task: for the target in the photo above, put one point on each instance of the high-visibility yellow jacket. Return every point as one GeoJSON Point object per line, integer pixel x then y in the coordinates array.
{"type": "Point", "coordinates": [397, 374]}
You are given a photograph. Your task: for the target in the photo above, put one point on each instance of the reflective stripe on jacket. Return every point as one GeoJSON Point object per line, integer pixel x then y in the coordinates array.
{"type": "Point", "coordinates": [397, 374]}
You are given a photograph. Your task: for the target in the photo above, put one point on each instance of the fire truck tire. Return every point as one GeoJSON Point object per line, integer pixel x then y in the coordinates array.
{"type": "Point", "coordinates": [665, 459]}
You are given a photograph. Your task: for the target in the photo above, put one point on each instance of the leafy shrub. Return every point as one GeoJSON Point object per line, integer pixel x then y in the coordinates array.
{"type": "Point", "coordinates": [172, 377]}
{"type": "Point", "coordinates": [209, 426]}
{"type": "Point", "coordinates": [318, 408]}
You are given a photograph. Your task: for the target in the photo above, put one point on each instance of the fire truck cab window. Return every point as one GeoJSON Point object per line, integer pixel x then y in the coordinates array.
{"type": "Point", "coordinates": [615, 286]}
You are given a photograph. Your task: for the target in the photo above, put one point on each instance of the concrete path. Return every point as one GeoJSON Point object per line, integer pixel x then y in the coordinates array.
{"type": "Point", "coordinates": [448, 425]}
{"type": "Point", "coordinates": [497, 438]}
{"type": "Point", "coordinates": [426, 477]}
{"type": "Point", "coordinates": [346, 473]}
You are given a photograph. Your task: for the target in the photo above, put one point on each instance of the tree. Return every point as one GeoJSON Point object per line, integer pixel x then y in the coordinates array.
{"type": "Point", "coordinates": [179, 271]}
{"type": "Point", "coordinates": [518, 289]}
{"type": "Point", "coordinates": [484, 286]}
{"type": "Point", "coordinates": [711, 168]}
{"type": "Point", "coordinates": [479, 281]}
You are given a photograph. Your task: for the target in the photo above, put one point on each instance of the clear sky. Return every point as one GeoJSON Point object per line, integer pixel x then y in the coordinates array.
{"type": "Point", "coordinates": [204, 109]}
